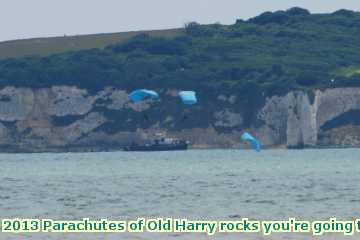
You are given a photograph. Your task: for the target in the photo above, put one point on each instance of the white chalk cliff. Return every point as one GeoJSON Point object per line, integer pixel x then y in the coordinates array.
{"type": "Point", "coordinates": [67, 118]}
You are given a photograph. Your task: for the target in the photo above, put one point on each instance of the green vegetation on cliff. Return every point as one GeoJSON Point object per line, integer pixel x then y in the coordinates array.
{"type": "Point", "coordinates": [269, 54]}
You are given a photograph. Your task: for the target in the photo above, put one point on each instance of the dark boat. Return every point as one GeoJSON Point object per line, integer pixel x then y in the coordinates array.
{"type": "Point", "coordinates": [164, 144]}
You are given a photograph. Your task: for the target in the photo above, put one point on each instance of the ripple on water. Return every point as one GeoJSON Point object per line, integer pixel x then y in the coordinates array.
{"type": "Point", "coordinates": [271, 202]}
{"type": "Point", "coordinates": [10, 179]}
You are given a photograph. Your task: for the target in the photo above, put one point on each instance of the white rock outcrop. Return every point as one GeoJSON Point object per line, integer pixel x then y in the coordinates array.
{"type": "Point", "coordinates": [302, 118]}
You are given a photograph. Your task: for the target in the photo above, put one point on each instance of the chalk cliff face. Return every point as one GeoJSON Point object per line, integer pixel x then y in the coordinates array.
{"type": "Point", "coordinates": [299, 119]}
{"type": "Point", "coordinates": [65, 118]}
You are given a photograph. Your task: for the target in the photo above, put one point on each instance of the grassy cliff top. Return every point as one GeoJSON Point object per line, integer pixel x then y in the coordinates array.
{"type": "Point", "coordinates": [272, 53]}
{"type": "Point", "coordinates": [52, 45]}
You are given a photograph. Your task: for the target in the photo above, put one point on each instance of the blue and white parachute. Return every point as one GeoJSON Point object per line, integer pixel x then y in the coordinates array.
{"type": "Point", "coordinates": [253, 141]}
{"type": "Point", "coordinates": [188, 97]}
{"type": "Point", "coordinates": [142, 94]}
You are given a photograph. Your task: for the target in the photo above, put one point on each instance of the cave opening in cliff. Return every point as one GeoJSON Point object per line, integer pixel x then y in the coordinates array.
{"type": "Point", "coordinates": [349, 118]}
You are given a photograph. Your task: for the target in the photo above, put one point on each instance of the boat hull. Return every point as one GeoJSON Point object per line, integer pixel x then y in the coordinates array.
{"type": "Point", "coordinates": [154, 148]}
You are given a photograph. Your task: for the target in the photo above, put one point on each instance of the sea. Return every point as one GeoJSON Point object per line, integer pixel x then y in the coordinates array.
{"type": "Point", "coordinates": [315, 184]}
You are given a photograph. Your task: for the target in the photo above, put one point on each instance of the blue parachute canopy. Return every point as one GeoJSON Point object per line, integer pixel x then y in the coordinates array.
{"type": "Point", "coordinates": [253, 141]}
{"type": "Point", "coordinates": [142, 94]}
{"type": "Point", "coordinates": [188, 97]}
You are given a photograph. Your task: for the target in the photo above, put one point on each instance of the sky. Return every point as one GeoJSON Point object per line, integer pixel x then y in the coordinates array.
{"type": "Point", "coordinates": [45, 18]}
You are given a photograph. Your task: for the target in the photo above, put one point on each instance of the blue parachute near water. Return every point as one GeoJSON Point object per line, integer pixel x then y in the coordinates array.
{"type": "Point", "coordinates": [188, 97]}
{"type": "Point", "coordinates": [253, 141]}
{"type": "Point", "coordinates": [143, 94]}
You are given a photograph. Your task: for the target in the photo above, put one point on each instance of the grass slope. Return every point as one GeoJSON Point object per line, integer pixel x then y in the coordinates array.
{"type": "Point", "coordinates": [53, 45]}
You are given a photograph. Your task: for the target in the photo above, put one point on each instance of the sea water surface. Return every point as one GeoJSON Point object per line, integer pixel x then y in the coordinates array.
{"type": "Point", "coordinates": [195, 184]}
